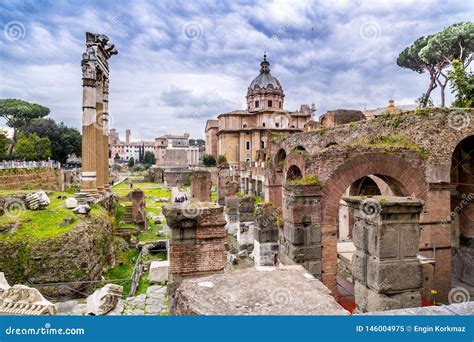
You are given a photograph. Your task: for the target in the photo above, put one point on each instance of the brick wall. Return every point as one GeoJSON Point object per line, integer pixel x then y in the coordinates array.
{"type": "Point", "coordinates": [37, 178]}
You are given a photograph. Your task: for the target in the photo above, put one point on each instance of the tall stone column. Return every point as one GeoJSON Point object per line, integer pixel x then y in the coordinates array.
{"type": "Point", "coordinates": [385, 267]}
{"type": "Point", "coordinates": [201, 186]}
{"type": "Point", "coordinates": [231, 207]}
{"type": "Point", "coordinates": [95, 71]}
{"type": "Point", "coordinates": [89, 137]}
{"type": "Point", "coordinates": [246, 217]}
{"type": "Point", "coordinates": [105, 133]}
{"type": "Point", "coordinates": [99, 133]}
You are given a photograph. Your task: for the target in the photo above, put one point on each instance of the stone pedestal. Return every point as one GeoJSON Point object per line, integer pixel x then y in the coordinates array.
{"type": "Point", "coordinates": [385, 267]}
{"type": "Point", "coordinates": [231, 201]}
{"type": "Point", "coordinates": [266, 246]}
{"type": "Point", "coordinates": [138, 207]}
{"type": "Point", "coordinates": [300, 241]}
{"type": "Point", "coordinates": [222, 179]}
{"type": "Point", "coordinates": [198, 239]}
{"type": "Point", "coordinates": [201, 186]}
{"type": "Point", "coordinates": [246, 218]}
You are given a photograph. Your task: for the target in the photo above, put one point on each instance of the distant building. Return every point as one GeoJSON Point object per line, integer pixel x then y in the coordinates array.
{"type": "Point", "coordinates": [127, 149]}
{"type": "Point", "coordinates": [169, 150]}
{"type": "Point", "coordinates": [390, 109]}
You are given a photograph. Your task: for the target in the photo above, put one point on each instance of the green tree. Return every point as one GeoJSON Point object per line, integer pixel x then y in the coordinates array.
{"type": "Point", "coordinates": [64, 140]}
{"type": "Point", "coordinates": [462, 85]}
{"type": "Point", "coordinates": [208, 160]}
{"type": "Point", "coordinates": [131, 162]}
{"type": "Point", "coordinates": [454, 42]}
{"type": "Point", "coordinates": [17, 113]}
{"type": "Point", "coordinates": [149, 158]}
{"type": "Point", "coordinates": [4, 143]}
{"type": "Point", "coordinates": [32, 147]}
{"type": "Point", "coordinates": [433, 54]}
{"type": "Point", "coordinates": [410, 59]}
{"type": "Point", "coordinates": [116, 157]}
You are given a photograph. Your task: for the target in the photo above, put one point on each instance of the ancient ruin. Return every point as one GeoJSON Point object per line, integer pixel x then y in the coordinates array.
{"type": "Point", "coordinates": [198, 238]}
{"type": "Point", "coordinates": [95, 104]}
{"type": "Point", "coordinates": [201, 185]}
{"type": "Point", "coordinates": [22, 300]}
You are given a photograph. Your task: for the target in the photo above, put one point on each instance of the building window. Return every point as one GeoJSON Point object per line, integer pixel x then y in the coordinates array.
{"type": "Point", "coordinates": [247, 145]}
{"type": "Point", "coordinates": [247, 158]}
{"type": "Point", "coordinates": [277, 124]}
{"type": "Point", "coordinates": [270, 104]}
{"type": "Point", "coordinates": [262, 144]}
{"type": "Point", "coordinates": [257, 104]}
{"type": "Point", "coordinates": [244, 125]}
{"type": "Point", "coordinates": [263, 124]}
{"type": "Point", "coordinates": [279, 104]}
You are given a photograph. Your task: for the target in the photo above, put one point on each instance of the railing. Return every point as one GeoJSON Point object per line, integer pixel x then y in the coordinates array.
{"type": "Point", "coordinates": [29, 165]}
{"type": "Point", "coordinates": [136, 275]}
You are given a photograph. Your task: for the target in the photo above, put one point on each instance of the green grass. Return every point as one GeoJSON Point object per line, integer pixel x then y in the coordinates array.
{"type": "Point", "coordinates": [309, 180]}
{"type": "Point", "coordinates": [43, 224]}
{"type": "Point", "coordinates": [123, 270]}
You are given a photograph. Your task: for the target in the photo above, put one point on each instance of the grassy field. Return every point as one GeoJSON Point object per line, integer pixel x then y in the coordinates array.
{"type": "Point", "coordinates": [39, 224]}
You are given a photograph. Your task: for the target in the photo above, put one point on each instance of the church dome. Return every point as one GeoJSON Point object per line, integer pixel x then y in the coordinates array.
{"type": "Point", "coordinates": [265, 78]}
{"type": "Point", "coordinates": [265, 92]}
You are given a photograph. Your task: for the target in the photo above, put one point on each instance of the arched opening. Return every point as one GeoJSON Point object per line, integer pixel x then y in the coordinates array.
{"type": "Point", "coordinates": [280, 159]}
{"type": "Point", "coordinates": [462, 214]}
{"type": "Point", "coordinates": [299, 148]}
{"type": "Point", "coordinates": [293, 173]}
{"type": "Point", "coordinates": [392, 174]}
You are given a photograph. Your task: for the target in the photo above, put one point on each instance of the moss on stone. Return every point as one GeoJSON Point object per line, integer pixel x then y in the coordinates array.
{"type": "Point", "coordinates": [309, 180]}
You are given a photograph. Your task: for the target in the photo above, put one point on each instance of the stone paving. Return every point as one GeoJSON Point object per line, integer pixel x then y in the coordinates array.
{"type": "Point", "coordinates": [154, 302]}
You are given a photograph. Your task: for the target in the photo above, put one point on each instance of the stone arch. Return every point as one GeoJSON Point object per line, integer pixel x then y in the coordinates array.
{"type": "Point", "coordinates": [296, 159]}
{"type": "Point", "coordinates": [462, 209]}
{"type": "Point", "coordinates": [395, 170]}
{"type": "Point", "coordinates": [280, 158]}
{"type": "Point", "coordinates": [299, 148]}
{"type": "Point", "coordinates": [293, 173]}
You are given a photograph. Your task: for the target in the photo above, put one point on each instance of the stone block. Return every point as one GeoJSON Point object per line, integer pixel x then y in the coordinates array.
{"type": "Point", "coordinates": [266, 235]}
{"type": "Point", "coordinates": [159, 271]}
{"type": "Point", "coordinates": [104, 299]}
{"type": "Point", "coordinates": [71, 203]}
{"type": "Point", "coordinates": [313, 267]}
{"type": "Point", "coordinates": [360, 234]}
{"type": "Point", "coordinates": [299, 254]}
{"type": "Point", "coordinates": [21, 300]}
{"type": "Point", "coordinates": [299, 233]}
{"type": "Point", "coordinates": [245, 235]}
{"type": "Point", "coordinates": [245, 216]}
{"type": "Point", "coordinates": [265, 254]}
{"type": "Point", "coordinates": [391, 276]}
{"type": "Point", "coordinates": [359, 266]}
{"type": "Point", "coordinates": [369, 300]}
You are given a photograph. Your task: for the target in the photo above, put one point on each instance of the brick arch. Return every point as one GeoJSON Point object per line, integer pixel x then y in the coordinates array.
{"type": "Point", "coordinates": [296, 159]}
{"type": "Point", "coordinates": [395, 170]}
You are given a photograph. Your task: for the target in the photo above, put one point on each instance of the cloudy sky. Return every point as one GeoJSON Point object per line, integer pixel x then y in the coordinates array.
{"type": "Point", "coordinates": [183, 62]}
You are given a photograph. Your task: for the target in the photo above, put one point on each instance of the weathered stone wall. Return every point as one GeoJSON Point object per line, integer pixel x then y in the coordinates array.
{"type": "Point", "coordinates": [385, 267]}
{"type": "Point", "coordinates": [178, 178]}
{"type": "Point", "coordinates": [222, 178]}
{"type": "Point", "coordinates": [37, 178]}
{"type": "Point", "coordinates": [340, 117]}
{"type": "Point", "coordinates": [198, 239]}
{"type": "Point", "coordinates": [201, 186]}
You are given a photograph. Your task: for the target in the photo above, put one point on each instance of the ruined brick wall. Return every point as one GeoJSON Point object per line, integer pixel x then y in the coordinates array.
{"type": "Point", "coordinates": [198, 239]}
{"type": "Point", "coordinates": [340, 117]}
{"type": "Point", "coordinates": [37, 178]}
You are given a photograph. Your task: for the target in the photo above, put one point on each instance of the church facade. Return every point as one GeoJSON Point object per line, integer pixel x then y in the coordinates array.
{"type": "Point", "coordinates": [242, 135]}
